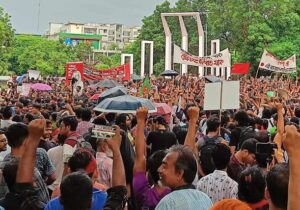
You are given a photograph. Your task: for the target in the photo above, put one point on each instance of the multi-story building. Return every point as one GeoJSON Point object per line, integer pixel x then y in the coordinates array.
{"type": "Point", "coordinates": [105, 38]}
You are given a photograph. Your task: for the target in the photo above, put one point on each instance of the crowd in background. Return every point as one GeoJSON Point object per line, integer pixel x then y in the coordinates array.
{"type": "Point", "coordinates": [187, 159]}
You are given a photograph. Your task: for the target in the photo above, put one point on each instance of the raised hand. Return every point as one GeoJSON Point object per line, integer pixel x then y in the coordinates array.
{"type": "Point", "coordinates": [141, 114]}
{"type": "Point", "coordinates": [292, 141]}
{"type": "Point", "coordinates": [115, 142]}
{"type": "Point", "coordinates": [36, 129]}
{"type": "Point", "coordinates": [193, 113]}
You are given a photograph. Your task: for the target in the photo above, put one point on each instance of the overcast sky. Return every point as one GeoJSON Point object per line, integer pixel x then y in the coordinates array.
{"type": "Point", "coordinates": [24, 13]}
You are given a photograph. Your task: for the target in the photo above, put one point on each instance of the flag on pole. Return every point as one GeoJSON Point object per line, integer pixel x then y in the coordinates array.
{"type": "Point", "coordinates": [145, 88]}
{"type": "Point", "coordinates": [240, 68]}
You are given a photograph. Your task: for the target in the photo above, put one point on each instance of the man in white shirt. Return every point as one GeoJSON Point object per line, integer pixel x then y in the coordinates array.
{"type": "Point", "coordinates": [218, 185]}
{"type": "Point", "coordinates": [7, 114]}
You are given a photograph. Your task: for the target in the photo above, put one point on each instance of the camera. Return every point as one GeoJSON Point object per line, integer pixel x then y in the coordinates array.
{"type": "Point", "coordinates": [265, 148]}
{"type": "Point", "coordinates": [264, 154]}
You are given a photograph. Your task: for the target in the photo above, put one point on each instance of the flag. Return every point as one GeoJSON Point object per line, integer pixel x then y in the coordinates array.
{"type": "Point", "coordinates": [145, 88]}
{"type": "Point", "coordinates": [240, 68]}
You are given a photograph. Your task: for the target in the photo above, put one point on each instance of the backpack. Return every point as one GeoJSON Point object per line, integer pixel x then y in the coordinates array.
{"type": "Point", "coordinates": [215, 139]}
{"type": "Point", "coordinates": [82, 143]}
{"type": "Point", "coordinates": [246, 133]}
{"type": "Point", "coordinates": [205, 157]}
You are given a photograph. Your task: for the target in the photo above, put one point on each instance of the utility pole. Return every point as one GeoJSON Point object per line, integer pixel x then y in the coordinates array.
{"type": "Point", "coordinates": [38, 18]}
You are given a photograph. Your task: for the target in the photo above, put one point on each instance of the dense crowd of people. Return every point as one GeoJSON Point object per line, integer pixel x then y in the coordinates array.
{"type": "Point", "coordinates": [188, 158]}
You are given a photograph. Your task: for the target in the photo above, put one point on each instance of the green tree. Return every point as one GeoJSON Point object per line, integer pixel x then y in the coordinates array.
{"type": "Point", "coordinates": [47, 56]}
{"type": "Point", "coordinates": [246, 27]}
{"type": "Point", "coordinates": [6, 39]}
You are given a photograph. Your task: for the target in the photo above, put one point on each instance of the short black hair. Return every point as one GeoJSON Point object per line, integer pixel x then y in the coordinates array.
{"type": "Point", "coordinates": [7, 112]}
{"type": "Point", "coordinates": [160, 120]}
{"type": "Point", "coordinates": [80, 160]}
{"type": "Point", "coordinates": [154, 162]}
{"type": "Point", "coordinates": [99, 121]}
{"type": "Point", "coordinates": [251, 185]}
{"type": "Point", "coordinates": [277, 184]}
{"type": "Point", "coordinates": [17, 118]}
{"type": "Point", "coordinates": [76, 191]}
{"type": "Point", "coordinates": [295, 120]}
{"type": "Point", "coordinates": [86, 114]}
{"type": "Point", "coordinates": [110, 117]}
{"type": "Point", "coordinates": [16, 134]}
{"type": "Point", "coordinates": [121, 119]}
{"type": "Point", "coordinates": [213, 124]}
{"type": "Point", "coordinates": [70, 121]}
{"type": "Point", "coordinates": [221, 156]}
{"type": "Point", "coordinates": [262, 136]}
{"type": "Point", "coordinates": [242, 118]}
{"type": "Point", "coordinates": [78, 112]}
{"type": "Point", "coordinates": [37, 106]}
{"type": "Point", "coordinates": [250, 145]}
{"type": "Point", "coordinates": [29, 116]}
{"type": "Point", "coordinates": [266, 113]}
{"type": "Point", "coordinates": [186, 162]}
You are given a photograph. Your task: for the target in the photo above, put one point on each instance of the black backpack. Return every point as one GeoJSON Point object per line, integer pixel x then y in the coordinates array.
{"type": "Point", "coordinates": [246, 133]}
{"type": "Point", "coordinates": [206, 160]}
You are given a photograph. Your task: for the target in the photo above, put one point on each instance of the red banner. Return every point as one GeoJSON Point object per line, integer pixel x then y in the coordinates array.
{"type": "Point", "coordinates": [89, 73]}
{"type": "Point", "coordinates": [71, 68]}
{"type": "Point", "coordinates": [122, 72]}
{"type": "Point", "coordinates": [240, 68]}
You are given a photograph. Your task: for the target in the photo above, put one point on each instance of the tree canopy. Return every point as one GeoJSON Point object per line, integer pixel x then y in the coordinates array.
{"type": "Point", "coordinates": [6, 39]}
{"type": "Point", "coordinates": [246, 27]}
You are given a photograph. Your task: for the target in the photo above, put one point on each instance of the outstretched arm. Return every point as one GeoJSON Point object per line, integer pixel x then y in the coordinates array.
{"type": "Point", "coordinates": [292, 144]}
{"type": "Point", "coordinates": [140, 145]}
{"type": "Point", "coordinates": [193, 113]}
{"type": "Point", "coordinates": [27, 162]}
{"type": "Point", "coordinates": [118, 171]}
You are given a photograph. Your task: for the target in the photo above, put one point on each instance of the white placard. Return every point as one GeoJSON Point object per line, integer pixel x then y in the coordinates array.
{"type": "Point", "coordinates": [230, 95]}
{"type": "Point", "coordinates": [33, 74]}
{"type": "Point", "coordinates": [25, 89]}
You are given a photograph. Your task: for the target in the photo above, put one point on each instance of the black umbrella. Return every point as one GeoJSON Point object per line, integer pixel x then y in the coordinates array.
{"type": "Point", "coordinates": [113, 92]}
{"type": "Point", "coordinates": [106, 83]}
{"type": "Point", "coordinates": [135, 77]}
{"type": "Point", "coordinates": [169, 73]}
{"type": "Point", "coordinates": [212, 79]}
{"type": "Point", "coordinates": [124, 104]}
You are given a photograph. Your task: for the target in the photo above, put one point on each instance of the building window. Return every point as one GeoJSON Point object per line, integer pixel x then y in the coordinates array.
{"type": "Point", "coordinates": [90, 30]}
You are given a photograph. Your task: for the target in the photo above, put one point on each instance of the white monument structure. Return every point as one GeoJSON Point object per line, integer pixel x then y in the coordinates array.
{"type": "Point", "coordinates": [222, 71]}
{"type": "Point", "coordinates": [184, 41]}
{"type": "Point", "coordinates": [123, 56]}
{"type": "Point", "coordinates": [219, 67]}
{"type": "Point", "coordinates": [143, 58]}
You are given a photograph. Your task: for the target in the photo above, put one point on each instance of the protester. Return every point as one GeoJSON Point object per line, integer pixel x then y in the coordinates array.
{"type": "Point", "coordinates": [218, 185]}
{"type": "Point", "coordinates": [147, 196]}
{"type": "Point", "coordinates": [85, 124]}
{"type": "Point", "coordinates": [252, 188]}
{"type": "Point", "coordinates": [178, 171]}
{"type": "Point", "coordinates": [17, 135]}
{"type": "Point", "coordinates": [81, 161]}
{"type": "Point", "coordinates": [160, 138]}
{"type": "Point", "coordinates": [104, 163]}
{"type": "Point", "coordinates": [260, 116]}
{"type": "Point", "coordinates": [240, 160]}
